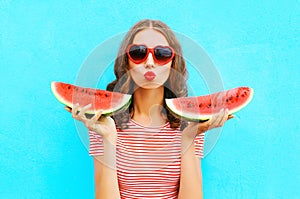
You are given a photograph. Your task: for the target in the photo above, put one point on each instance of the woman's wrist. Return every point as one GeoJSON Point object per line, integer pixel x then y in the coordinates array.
{"type": "Point", "coordinates": [109, 153]}
{"type": "Point", "coordinates": [186, 141]}
{"type": "Point", "coordinates": [190, 135]}
{"type": "Point", "coordinates": [192, 130]}
{"type": "Point", "coordinates": [110, 139]}
{"type": "Point", "coordinates": [187, 137]}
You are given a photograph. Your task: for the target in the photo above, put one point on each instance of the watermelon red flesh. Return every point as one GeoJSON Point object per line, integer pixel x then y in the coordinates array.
{"type": "Point", "coordinates": [108, 102]}
{"type": "Point", "coordinates": [202, 108]}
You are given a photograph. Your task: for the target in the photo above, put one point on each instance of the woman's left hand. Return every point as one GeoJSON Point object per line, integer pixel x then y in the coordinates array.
{"type": "Point", "coordinates": [217, 120]}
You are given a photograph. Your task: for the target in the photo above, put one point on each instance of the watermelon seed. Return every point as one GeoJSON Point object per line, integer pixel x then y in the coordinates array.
{"type": "Point", "coordinates": [189, 105]}
{"type": "Point", "coordinates": [69, 87]}
{"type": "Point", "coordinates": [200, 105]}
{"type": "Point", "coordinates": [82, 90]}
{"type": "Point", "coordinates": [76, 89]}
{"type": "Point", "coordinates": [106, 95]}
{"type": "Point", "coordinates": [208, 106]}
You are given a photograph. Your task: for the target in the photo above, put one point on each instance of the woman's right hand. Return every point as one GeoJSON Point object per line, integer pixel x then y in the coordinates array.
{"type": "Point", "coordinates": [104, 126]}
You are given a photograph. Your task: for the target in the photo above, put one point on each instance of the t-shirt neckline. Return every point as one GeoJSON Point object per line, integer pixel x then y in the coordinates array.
{"type": "Point", "coordinates": [149, 127]}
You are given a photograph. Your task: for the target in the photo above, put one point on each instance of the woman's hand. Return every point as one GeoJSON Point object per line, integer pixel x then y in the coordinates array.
{"type": "Point", "coordinates": [218, 120]}
{"type": "Point", "coordinates": [104, 126]}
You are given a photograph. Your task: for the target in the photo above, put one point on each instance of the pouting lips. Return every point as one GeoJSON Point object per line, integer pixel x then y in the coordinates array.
{"type": "Point", "coordinates": [149, 75]}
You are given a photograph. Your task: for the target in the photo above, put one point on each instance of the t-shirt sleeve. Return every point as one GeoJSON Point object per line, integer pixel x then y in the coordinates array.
{"type": "Point", "coordinates": [96, 144]}
{"type": "Point", "coordinates": [199, 145]}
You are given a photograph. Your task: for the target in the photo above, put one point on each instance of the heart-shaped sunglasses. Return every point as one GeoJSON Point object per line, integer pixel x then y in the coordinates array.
{"type": "Point", "coordinates": [139, 53]}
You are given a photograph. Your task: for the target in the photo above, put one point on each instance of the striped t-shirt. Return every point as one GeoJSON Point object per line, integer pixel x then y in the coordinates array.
{"type": "Point", "coordinates": [148, 160]}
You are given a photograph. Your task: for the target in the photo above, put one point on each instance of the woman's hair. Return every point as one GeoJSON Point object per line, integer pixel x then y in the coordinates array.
{"type": "Point", "coordinates": [174, 87]}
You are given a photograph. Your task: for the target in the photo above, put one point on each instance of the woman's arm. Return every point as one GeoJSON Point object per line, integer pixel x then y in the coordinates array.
{"type": "Point", "coordinates": [190, 175]}
{"type": "Point", "coordinates": [106, 181]}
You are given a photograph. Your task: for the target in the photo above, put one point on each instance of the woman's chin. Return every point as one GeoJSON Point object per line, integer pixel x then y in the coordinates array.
{"type": "Point", "coordinates": [149, 85]}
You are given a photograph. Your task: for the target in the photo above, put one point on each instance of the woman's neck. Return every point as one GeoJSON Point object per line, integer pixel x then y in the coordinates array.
{"type": "Point", "coordinates": [147, 106]}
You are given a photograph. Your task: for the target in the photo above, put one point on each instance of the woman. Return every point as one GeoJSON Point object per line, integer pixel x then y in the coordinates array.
{"type": "Point", "coordinates": [145, 152]}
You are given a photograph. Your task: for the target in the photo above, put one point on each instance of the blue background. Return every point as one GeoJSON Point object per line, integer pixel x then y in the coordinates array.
{"type": "Point", "coordinates": [254, 44]}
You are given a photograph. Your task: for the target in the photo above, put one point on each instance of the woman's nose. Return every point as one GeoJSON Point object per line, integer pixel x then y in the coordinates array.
{"type": "Point", "coordinates": [150, 60]}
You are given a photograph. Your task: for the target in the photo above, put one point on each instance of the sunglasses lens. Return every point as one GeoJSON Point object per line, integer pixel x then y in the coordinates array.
{"type": "Point", "coordinates": [138, 53]}
{"type": "Point", "coordinates": [163, 54]}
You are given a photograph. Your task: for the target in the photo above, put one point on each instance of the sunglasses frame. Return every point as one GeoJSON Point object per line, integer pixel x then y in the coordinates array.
{"type": "Point", "coordinates": [150, 50]}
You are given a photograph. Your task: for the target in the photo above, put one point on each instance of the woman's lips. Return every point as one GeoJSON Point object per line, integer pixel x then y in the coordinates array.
{"type": "Point", "coordinates": [149, 75]}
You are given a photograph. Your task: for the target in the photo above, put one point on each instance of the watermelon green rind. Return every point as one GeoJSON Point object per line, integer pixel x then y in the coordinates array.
{"type": "Point", "coordinates": [189, 117]}
{"type": "Point", "coordinates": [203, 117]}
{"type": "Point", "coordinates": [126, 101]}
{"type": "Point", "coordinates": [181, 115]}
{"type": "Point", "coordinates": [122, 105]}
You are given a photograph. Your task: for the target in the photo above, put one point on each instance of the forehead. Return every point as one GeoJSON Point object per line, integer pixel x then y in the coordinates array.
{"type": "Point", "coordinates": [150, 37]}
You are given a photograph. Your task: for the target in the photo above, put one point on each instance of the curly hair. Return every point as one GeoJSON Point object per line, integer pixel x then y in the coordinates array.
{"type": "Point", "coordinates": [174, 87]}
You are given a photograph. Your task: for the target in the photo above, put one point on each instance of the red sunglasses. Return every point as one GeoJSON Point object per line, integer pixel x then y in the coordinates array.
{"type": "Point", "coordinates": [139, 53]}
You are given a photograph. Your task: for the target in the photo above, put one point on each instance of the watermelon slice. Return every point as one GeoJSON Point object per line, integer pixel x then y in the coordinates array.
{"type": "Point", "coordinates": [108, 102]}
{"type": "Point", "coordinates": [202, 108]}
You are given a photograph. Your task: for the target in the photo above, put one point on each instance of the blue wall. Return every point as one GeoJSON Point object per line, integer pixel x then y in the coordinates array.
{"type": "Point", "coordinates": [254, 44]}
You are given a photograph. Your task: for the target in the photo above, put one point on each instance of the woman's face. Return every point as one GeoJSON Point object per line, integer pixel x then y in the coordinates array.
{"type": "Point", "coordinates": [149, 74]}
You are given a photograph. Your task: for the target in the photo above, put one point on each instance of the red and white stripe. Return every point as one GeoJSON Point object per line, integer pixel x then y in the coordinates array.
{"type": "Point", "coordinates": [148, 160]}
